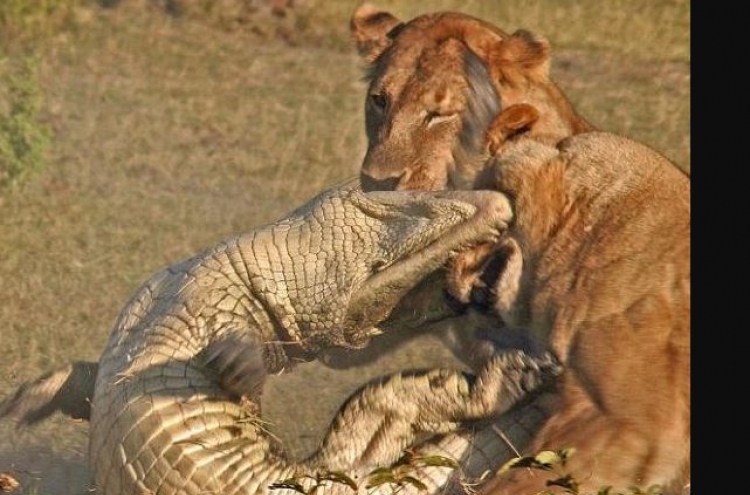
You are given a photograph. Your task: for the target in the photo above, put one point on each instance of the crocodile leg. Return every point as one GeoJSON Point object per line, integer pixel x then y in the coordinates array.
{"type": "Point", "coordinates": [390, 414]}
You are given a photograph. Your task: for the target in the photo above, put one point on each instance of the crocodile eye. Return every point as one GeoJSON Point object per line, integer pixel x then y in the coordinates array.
{"type": "Point", "coordinates": [379, 101]}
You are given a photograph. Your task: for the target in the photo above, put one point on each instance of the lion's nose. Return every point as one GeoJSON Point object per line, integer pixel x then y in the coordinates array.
{"type": "Point", "coordinates": [370, 183]}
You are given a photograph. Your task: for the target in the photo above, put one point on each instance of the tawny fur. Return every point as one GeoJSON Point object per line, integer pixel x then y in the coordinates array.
{"type": "Point", "coordinates": [436, 84]}
{"type": "Point", "coordinates": [604, 227]}
{"type": "Point", "coordinates": [600, 265]}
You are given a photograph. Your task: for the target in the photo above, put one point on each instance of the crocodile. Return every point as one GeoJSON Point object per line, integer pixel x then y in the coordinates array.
{"type": "Point", "coordinates": [175, 396]}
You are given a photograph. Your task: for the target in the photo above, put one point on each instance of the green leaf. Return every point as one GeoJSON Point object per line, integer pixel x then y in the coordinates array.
{"type": "Point", "coordinates": [339, 477]}
{"type": "Point", "coordinates": [523, 462]}
{"type": "Point", "coordinates": [380, 470]}
{"type": "Point", "coordinates": [511, 464]}
{"type": "Point", "coordinates": [415, 482]}
{"type": "Point", "coordinates": [566, 454]}
{"type": "Point", "coordinates": [655, 490]}
{"type": "Point", "coordinates": [438, 461]}
{"type": "Point", "coordinates": [381, 478]}
{"type": "Point", "coordinates": [567, 482]}
{"type": "Point", "coordinates": [548, 458]}
{"type": "Point", "coordinates": [288, 484]}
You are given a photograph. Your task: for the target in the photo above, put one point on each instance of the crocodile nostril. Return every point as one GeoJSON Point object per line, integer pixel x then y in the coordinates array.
{"type": "Point", "coordinates": [370, 183]}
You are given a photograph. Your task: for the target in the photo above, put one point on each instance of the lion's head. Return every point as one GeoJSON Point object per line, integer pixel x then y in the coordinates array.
{"type": "Point", "coordinates": [436, 85]}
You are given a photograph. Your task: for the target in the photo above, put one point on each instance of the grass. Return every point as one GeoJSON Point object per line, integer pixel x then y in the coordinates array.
{"type": "Point", "coordinates": [23, 140]}
{"type": "Point", "coordinates": [648, 29]}
{"type": "Point", "coordinates": [171, 132]}
{"type": "Point", "coordinates": [34, 19]}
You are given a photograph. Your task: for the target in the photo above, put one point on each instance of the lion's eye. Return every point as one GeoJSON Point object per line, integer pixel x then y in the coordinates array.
{"type": "Point", "coordinates": [379, 101]}
{"type": "Point", "coordinates": [433, 118]}
{"type": "Point", "coordinates": [430, 116]}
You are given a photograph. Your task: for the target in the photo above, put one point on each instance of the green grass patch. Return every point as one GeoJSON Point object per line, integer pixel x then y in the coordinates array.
{"type": "Point", "coordinates": [23, 137]}
{"type": "Point", "coordinates": [27, 20]}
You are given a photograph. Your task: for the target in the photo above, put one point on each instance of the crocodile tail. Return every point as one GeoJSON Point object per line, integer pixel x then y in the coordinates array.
{"type": "Point", "coordinates": [68, 390]}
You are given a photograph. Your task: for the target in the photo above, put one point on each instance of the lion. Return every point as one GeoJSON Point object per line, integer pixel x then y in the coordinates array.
{"type": "Point", "coordinates": [603, 231]}
{"type": "Point", "coordinates": [596, 266]}
{"type": "Point", "coordinates": [435, 85]}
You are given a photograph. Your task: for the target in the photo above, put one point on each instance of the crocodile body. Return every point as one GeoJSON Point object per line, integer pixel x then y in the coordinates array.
{"type": "Point", "coordinates": [175, 406]}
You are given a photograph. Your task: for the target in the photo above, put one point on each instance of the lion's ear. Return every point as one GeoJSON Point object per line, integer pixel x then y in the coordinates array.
{"type": "Point", "coordinates": [482, 41]}
{"type": "Point", "coordinates": [522, 54]}
{"type": "Point", "coordinates": [369, 28]}
{"type": "Point", "coordinates": [512, 121]}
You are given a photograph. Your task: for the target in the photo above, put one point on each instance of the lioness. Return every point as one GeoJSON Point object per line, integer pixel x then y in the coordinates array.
{"type": "Point", "coordinates": [597, 263]}
{"type": "Point", "coordinates": [436, 83]}
{"type": "Point", "coordinates": [603, 229]}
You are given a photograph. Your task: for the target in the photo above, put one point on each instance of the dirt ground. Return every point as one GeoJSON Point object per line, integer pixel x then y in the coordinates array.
{"type": "Point", "coordinates": [298, 406]}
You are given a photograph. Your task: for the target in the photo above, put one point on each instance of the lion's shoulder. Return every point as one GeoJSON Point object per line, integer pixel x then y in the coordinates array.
{"type": "Point", "coordinates": [620, 154]}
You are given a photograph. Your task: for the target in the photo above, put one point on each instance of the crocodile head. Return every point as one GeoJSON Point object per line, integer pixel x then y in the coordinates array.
{"type": "Point", "coordinates": [360, 253]}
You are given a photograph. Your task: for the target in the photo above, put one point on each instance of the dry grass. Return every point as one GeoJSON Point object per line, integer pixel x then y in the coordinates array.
{"type": "Point", "coordinates": [172, 133]}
